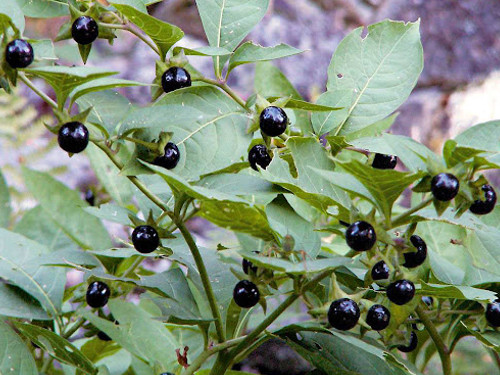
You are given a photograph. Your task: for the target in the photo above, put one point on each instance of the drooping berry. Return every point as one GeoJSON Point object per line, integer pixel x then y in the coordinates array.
{"type": "Point", "coordinates": [360, 236]}
{"type": "Point", "coordinates": [73, 137]}
{"type": "Point", "coordinates": [273, 121]}
{"type": "Point", "coordinates": [246, 294]}
{"type": "Point", "coordinates": [401, 292]}
{"type": "Point", "coordinates": [378, 317]}
{"type": "Point", "coordinates": [19, 53]}
{"type": "Point", "coordinates": [445, 187]}
{"type": "Point", "coordinates": [145, 239]}
{"type": "Point", "coordinates": [103, 336]}
{"type": "Point", "coordinates": [171, 157]}
{"type": "Point", "coordinates": [175, 78]}
{"type": "Point", "coordinates": [258, 155]}
{"type": "Point", "coordinates": [343, 314]}
{"type": "Point", "coordinates": [84, 30]}
{"type": "Point", "coordinates": [486, 205]}
{"type": "Point", "coordinates": [98, 294]}
{"type": "Point", "coordinates": [429, 301]}
{"type": "Point", "coordinates": [412, 345]}
{"type": "Point", "coordinates": [383, 161]}
{"type": "Point", "coordinates": [380, 271]}
{"type": "Point", "coordinates": [416, 258]}
{"type": "Point", "coordinates": [493, 313]}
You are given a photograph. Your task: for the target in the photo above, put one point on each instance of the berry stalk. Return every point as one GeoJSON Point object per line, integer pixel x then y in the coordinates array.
{"type": "Point", "coordinates": [40, 93]}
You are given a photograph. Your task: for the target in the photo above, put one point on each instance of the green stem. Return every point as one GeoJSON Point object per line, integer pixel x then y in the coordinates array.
{"type": "Point", "coordinates": [136, 33]}
{"type": "Point", "coordinates": [401, 219]}
{"type": "Point", "coordinates": [227, 89]}
{"type": "Point", "coordinates": [75, 327]}
{"type": "Point", "coordinates": [37, 91]}
{"type": "Point", "coordinates": [133, 266]}
{"type": "Point", "coordinates": [46, 364]}
{"type": "Point", "coordinates": [149, 145]}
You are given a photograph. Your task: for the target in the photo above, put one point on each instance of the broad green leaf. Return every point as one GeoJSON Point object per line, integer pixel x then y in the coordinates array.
{"type": "Point", "coordinates": [483, 248]}
{"type": "Point", "coordinates": [16, 357]}
{"type": "Point", "coordinates": [374, 129]}
{"type": "Point", "coordinates": [325, 122]}
{"type": "Point", "coordinates": [485, 136]}
{"type": "Point", "coordinates": [5, 209]}
{"type": "Point", "coordinates": [454, 154]}
{"type": "Point", "coordinates": [44, 8]}
{"type": "Point", "coordinates": [16, 303]}
{"type": "Point", "coordinates": [111, 212]}
{"type": "Point", "coordinates": [13, 11]}
{"type": "Point", "coordinates": [137, 4]}
{"type": "Point", "coordinates": [457, 292]}
{"type": "Point", "coordinates": [102, 84]}
{"type": "Point", "coordinates": [381, 68]}
{"type": "Point", "coordinates": [491, 339]}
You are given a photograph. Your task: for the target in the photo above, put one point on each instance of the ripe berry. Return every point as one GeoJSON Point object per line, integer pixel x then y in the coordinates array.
{"type": "Point", "coordinates": [246, 294]}
{"type": "Point", "coordinates": [84, 30]}
{"type": "Point", "coordinates": [401, 292]}
{"type": "Point", "coordinates": [483, 207]}
{"type": "Point", "coordinates": [258, 155]}
{"type": "Point", "coordinates": [378, 317]}
{"type": "Point", "coordinates": [416, 258]}
{"type": "Point", "coordinates": [273, 121]}
{"type": "Point", "coordinates": [89, 197]}
{"type": "Point", "coordinates": [103, 336]}
{"type": "Point", "coordinates": [73, 137]}
{"type": "Point", "coordinates": [444, 187]}
{"type": "Point", "coordinates": [98, 294]}
{"type": "Point", "coordinates": [412, 345]}
{"type": "Point", "coordinates": [19, 53]}
{"type": "Point", "coordinates": [343, 314]}
{"type": "Point", "coordinates": [145, 239]}
{"type": "Point", "coordinates": [360, 236]}
{"type": "Point", "coordinates": [166, 373]}
{"type": "Point", "coordinates": [380, 271]}
{"type": "Point", "coordinates": [382, 161]}
{"type": "Point", "coordinates": [175, 78]}
{"type": "Point", "coordinates": [171, 157]}
{"type": "Point", "coordinates": [247, 266]}
{"type": "Point", "coordinates": [429, 301]}
{"type": "Point", "coordinates": [493, 313]}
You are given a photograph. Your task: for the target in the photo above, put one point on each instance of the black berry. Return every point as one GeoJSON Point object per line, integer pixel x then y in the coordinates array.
{"type": "Point", "coordinates": [412, 345]}
{"type": "Point", "coordinates": [19, 53]}
{"type": "Point", "coordinates": [89, 197]}
{"type": "Point", "coordinates": [360, 236]}
{"type": "Point", "coordinates": [145, 239]}
{"type": "Point", "coordinates": [171, 157]}
{"type": "Point", "coordinates": [493, 313]}
{"type": "Point", "coordinates": [343, 314]}
{"type": "Point", "coordinates": [166, 373]}
{"type": "Point", "coordinates": [73, 137]}
{"type": "Point", "coordinates": [416, 258]}
{"type": "Point", "coordinates": [246, 294]}
{"type": "Point", "coordinates": [98, 294]}
{"type": "Point", "coordinates": [429, 301]}
{"type": "Point", "coordinates": [380, 271]}
{"type": "Point", "coordinates": [382, 161]}
{"type": "Point", "coordinates": [378, 317]}
{"type": "Point", "coordinates": [444, 187]}
{"type": "Point", "coordinates": [84, 30]}
{"type": "Point", "coordinates": [175, 78]}
{"type": "Point", "coordinates": [103, 336]}
{"type": "Point", "coordinates": [258, 155]}
{"type": "Point", "coordinates": [247, 266]}
{"type": "Point", "coordinates": [273, 121]}
{"type": "Point", "coordinates": [401, 292]}
{"type": "Point", "coordinates": [483, 207]}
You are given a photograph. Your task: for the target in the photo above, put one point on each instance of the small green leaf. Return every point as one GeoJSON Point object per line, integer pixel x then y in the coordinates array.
{"type": "Point", "coordinates": [202, 51]}
{"type": "Point", "coordinates": [16, 357]}
{"type": "Point", "coordinates": [484, 136]}
{"type": "Point", "coordinates": [11, 11]}
{"type": "Point", "coordinates": [454, 154]}
{"type": "Point", "coordinates": [304, 106]}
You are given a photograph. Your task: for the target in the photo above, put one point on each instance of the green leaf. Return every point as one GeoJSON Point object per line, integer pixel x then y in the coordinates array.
{"type": "Point", "coordinates": [44, 8]}
{"type": "Point", "coordinates": [19, 304]}
{"type": "Point", "coordinates": [12, 10]}
{"type": "Point", "coordinates": [325, 122]}
{"type": "Point", "coordinates": [102, 84]}
{"type": "Point", "coordinates": [202, 51]}
{"type": "Point", "coordinates": [304, 106]}
{"type": "Point", "coordinates": [381, 68]}
{"type": "Point", "coordinates": [5, 209]}
{"type": "Point", "coordinates": [111, 212]}
{"type": "Point", "coordinates": [454, 154]}
{"type": "Point", "coordinates": [44, 49]}
{"type": "Point", "coordinates": [457, 292]}
{"type": "Point", "coordinates": [484, 136]}
{"type": "Point", "coordinates": [16, 357]}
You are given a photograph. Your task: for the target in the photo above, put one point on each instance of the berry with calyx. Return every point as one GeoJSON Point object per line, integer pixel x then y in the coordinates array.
{"type": "Point", "coordinates": [383, 161]}
{"type": "Point", "coordinates": [103, 336]}
{"type": "Point", "coordinates": [246, 294]}
{"type": "Point", "coordinates": [493, 313]}
{"type": "Point", "coordinates": [19, 53]}
{"type": "Point", "coordinates": [429, 301]}
{"type": "Point", "coordinates": [258, 155]}
{"type": "Point", "coordinates": [273, 121]}
{"type": "Point", "coordinates": [170, 158]}
{"type": "Point", "coordinates": [98, 294]}
{"type": "Point", "coordinates": [444, 187]}
{"type": "Point", "coordinates": [483, 207]}
{"type": "Point", "coordinates": [401, 292]}
{"type": "Point", "coordinates": [378, 317]}
{"type": "Point", "coordinates": [360, 236]}
{"type": "Point", "coordinates": [412, 345]}
{"type": "Point", "coordinates": [73, 137]}
{"type": "Point", "coordinates": [343, 314]}
{"type": "Point", "coordinates": [175, 78]}
{"type": "Point", "coordinates": [145, 239]}
{"type": "Point", "coordinates": [416, 258]}
{"type": "Point", "coordinates": [84, 30]}
{"type": "Point", "coordinates": [380, 271]}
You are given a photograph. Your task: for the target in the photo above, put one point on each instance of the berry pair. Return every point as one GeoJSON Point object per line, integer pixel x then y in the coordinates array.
{"type": "Point", "coordinates": [344, 314]}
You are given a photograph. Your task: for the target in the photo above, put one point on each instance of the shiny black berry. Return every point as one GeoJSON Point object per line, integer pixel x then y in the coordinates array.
{"type": "Point", "coordinates": [248, 266]}
{"type": "Point", "coordinates": [258, 155]}
{"type": "Point", "coordinates": [493, 313]}
{"type": "Point", "coordinates": [401, 292]}
{"type": "Point", "coordinates": [380, 271]}
{"type": "Point", "coordinates": [429, 301]}
{"type": "Point", "coordinates": [19, 53]}
{"type": "Point", "coordinates": [273, 121]}
{"type": "Point", "coordinates": [444, 187]}
{"type": "Point", "coordinates": [416, 258]}
{"type": "Point", "coordinates": [378, 317]}
{"type": "Point", "coordinates": [486, 205]}
{"type": "Point", "coordinates": [382, 161]}
{"type": "Point", "coordinates": [73, 137]}
{"type": "Point", "coordinates": [246, 294]}
{"type": "Point", "coordinates": [84, 30]}
{"type": "Point", "coordinates": [145, 239]}
{"type": "Point", "coordinates": [103, 336]}
{"type": "Point", "coordinates": [360, 236]}
{"type": "Point", "coordinates": [175, 78]}
{"type": "Point", "coordinates": [412, 345]}
{"type": "Point", "coordinates": [343, 314]}
{"type": "Point", "coordinates": [171, 157]}
{"type": "Point", "coordinates": [98, 294]}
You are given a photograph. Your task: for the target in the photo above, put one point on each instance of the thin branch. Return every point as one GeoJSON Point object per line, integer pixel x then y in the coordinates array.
{"type": "Point", "coordinates": [401, 219]}
{"type": "Point", "coordinates": [136, 33]}
{"type": "Point", "coordinates": [37, 91]}
{"type": "Point", "coordinates": [227, 89]}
